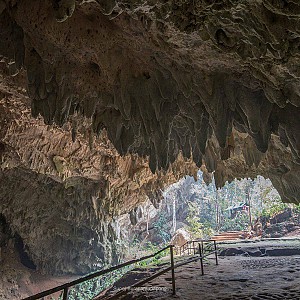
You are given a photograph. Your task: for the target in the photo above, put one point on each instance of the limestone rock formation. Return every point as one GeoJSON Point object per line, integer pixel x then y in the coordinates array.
{"type": "Point", "coordinates": [69, 202]}
{"type": "Point", "coordinates": [163, 76]}
{"type": "Point", "coordinates": [277, 163]}
{"type": "Point", "coordinates": [181, 237]}
{"type": "Point", "coordinates": [216, 82]}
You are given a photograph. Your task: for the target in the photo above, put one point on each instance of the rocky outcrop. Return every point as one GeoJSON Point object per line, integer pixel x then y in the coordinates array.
{"type": "Point", "coordinates": [285, 223]}
{"type": "Point", "coordinates": [277, 163]}
{"type": "Point", "coordinates": [180, 237]}
{"type": "Point", "coordinates": [167, 76]}
{"type": "Point", "coordinates": [166, 82]}
{"type": "Point", "coordinates": [69, 203]}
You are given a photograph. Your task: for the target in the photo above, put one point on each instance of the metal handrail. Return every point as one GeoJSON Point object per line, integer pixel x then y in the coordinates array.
{"type": "Point", "coordinates": [202, 255]}
{"type": "Point", "coordinates": [185, 247]}
{"type": "Point", "coordinates": [172, 268]}
{"type": "Point", "coordinates": [65, 287]}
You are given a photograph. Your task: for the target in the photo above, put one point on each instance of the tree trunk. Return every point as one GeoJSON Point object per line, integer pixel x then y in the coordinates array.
{"type": "Point", "coordinates": [249, 203]}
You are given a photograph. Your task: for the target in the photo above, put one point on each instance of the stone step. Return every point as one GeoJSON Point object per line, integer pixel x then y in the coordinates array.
{"type": "Point", "coordinates": [230, 235]}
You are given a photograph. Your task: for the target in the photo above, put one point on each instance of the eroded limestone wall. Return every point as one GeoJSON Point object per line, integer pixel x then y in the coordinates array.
{"type": "Point", "coordinates": [216, 82]}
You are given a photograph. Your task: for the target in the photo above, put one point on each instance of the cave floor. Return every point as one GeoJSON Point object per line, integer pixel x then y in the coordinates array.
{"type": "Point", "coordinates": [18, 281]}
{"type": "Point", "coordinates": [236, 277]}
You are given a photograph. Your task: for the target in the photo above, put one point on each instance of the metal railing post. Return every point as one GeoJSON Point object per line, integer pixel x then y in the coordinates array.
{"type": "Point", "coordinates": [201, 259]}
{"type": "Point", "coordinates": [65, 294]}
{"type": "Point", "coordinates": [216, 254]}
{"type": "Point", "coordinates": [172, 270]}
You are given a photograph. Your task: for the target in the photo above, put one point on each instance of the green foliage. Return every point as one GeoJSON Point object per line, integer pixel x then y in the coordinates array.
{"type": "Point", "coordinates": [297, 209]}
{"type": "Point", "coordinates": [271, 205]}
{"type": "Point", "coordinates": [240, 222]}
{"type": "Point", "coordinates": [273, 209]}
{"type": "Point", "coordinates": [207, 230]}
{"type": "Point", "coordinates": [162, 228]}
{"type": "Point", "coordinates": [91, 288]}
{"type": "Point", "coordinates": [150, 248]}
{"type": "Point", "coordinates": [194, 225]}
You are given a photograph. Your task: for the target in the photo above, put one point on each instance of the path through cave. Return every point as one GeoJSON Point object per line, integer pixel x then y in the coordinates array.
{"type": "Point", "coordinates": [105, 103]}
{"type": "Point", "coordinates": [240, 277]}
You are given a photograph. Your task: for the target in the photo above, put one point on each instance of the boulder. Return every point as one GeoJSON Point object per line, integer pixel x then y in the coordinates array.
{"type": "Point", "coordinates": [180, 237]}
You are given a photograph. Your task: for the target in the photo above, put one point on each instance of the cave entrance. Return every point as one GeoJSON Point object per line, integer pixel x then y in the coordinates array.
{"type": "Point", "coordinates": [258, 236]}
{"type": "Point", "coordinates": [251, 207]}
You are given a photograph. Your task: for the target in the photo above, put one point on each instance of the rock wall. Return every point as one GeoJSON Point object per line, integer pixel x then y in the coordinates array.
{"type": "Point", "coordinates": [244, 160]}
{"type": "Point", "coordinates": [69, 201]}
{"type": "Point", "coordinates": [164, 76]}
{"type": "Point", "coordinates": [214, 82]}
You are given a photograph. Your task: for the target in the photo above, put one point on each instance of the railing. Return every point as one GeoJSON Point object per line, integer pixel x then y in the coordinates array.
{"type": "Point", "coordinates": [202, 247]}
{"type": "Point", "coordinates": [209, 246]}
{"type": "Point", "coordinates": [64, 288]}
{"type": "Point", "coordinates": [188, 246]}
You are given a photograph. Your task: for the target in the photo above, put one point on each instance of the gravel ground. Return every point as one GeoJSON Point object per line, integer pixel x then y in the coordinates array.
{"type": "Point", "coordinates": [236, 277]}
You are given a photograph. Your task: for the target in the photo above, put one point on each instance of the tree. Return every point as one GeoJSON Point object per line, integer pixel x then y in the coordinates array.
{"type": "Point", "coordinates": [212, 212]}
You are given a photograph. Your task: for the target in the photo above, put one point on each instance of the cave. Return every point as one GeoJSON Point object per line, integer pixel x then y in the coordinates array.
{"type": "Point", "coordinates": [24, 258]}
{"type": "Point", "coordinates": [105, 103]}
{"type": "Point", "coordinates": [5, 231]}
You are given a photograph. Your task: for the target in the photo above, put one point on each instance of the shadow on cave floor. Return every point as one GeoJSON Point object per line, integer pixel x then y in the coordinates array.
{"type": "Point", "coordinates": [236, 277]}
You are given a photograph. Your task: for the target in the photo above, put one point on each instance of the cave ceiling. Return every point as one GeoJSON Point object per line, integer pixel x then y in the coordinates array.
{"type": "Point", "coordinates": [105, 103]}
{"type": "Point", "coordinates": [75, 201]}
{"type": "Point", "coordinates": [217, 81]}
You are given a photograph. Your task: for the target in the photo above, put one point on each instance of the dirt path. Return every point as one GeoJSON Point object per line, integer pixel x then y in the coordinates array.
{"type": "Point", "coordinates": [236, 277]}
